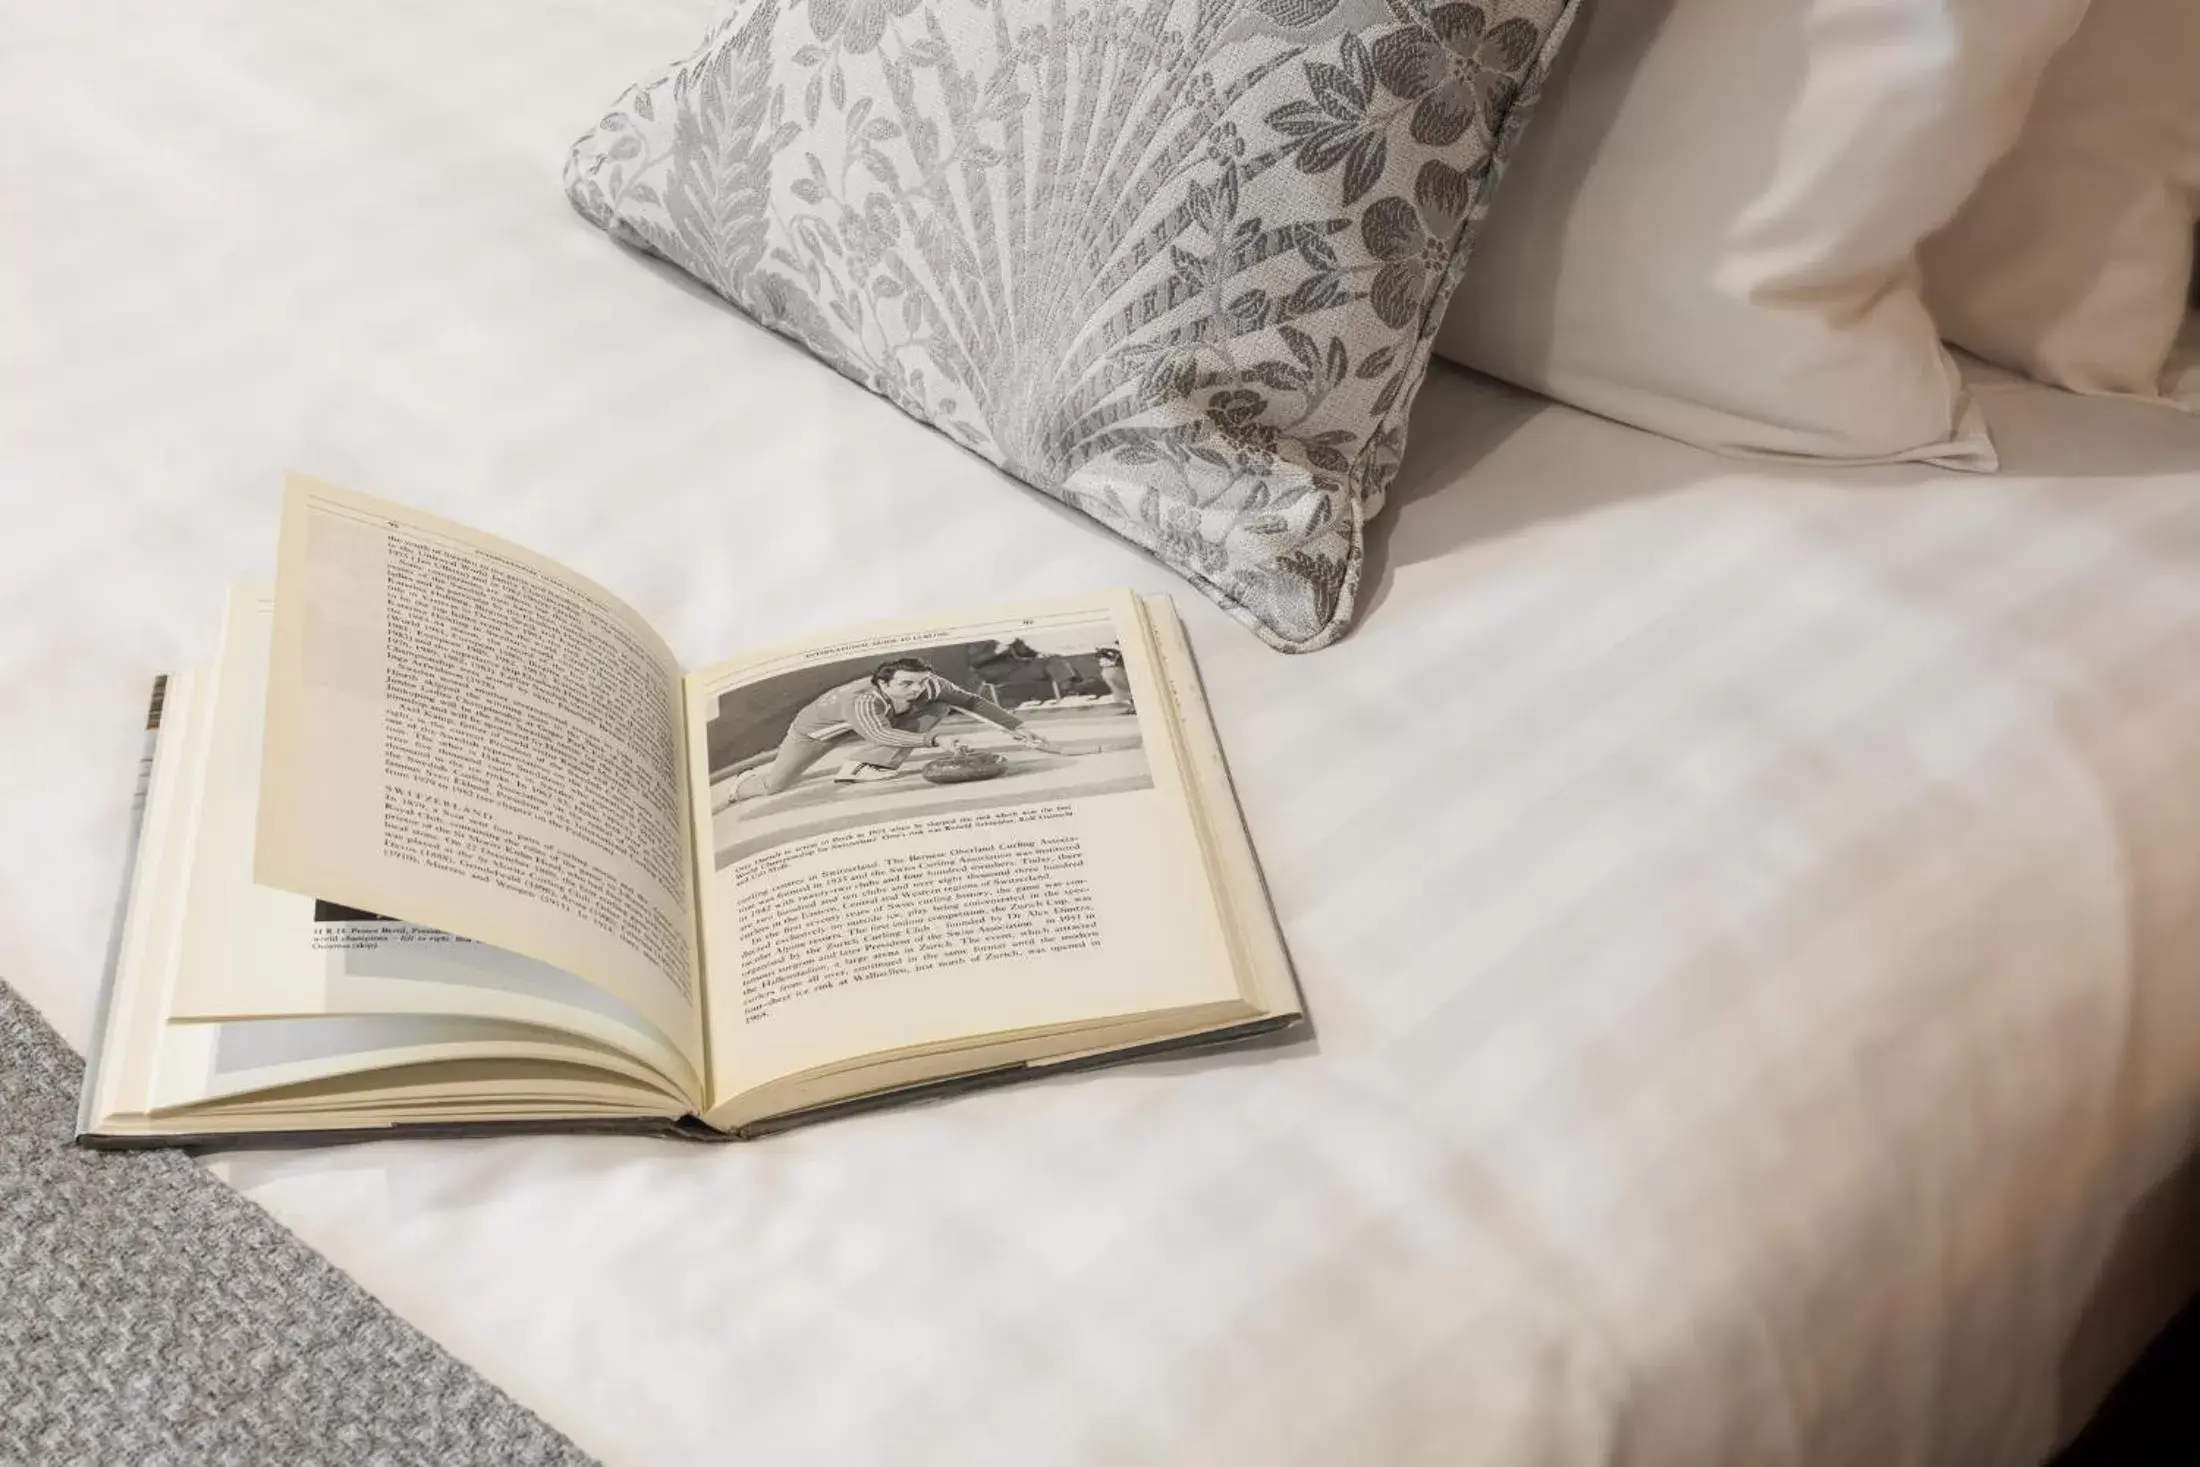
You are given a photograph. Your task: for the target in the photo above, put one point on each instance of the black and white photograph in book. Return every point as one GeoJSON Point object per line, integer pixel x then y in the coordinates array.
{"type": "Point", "coordinates": [1046, 715]}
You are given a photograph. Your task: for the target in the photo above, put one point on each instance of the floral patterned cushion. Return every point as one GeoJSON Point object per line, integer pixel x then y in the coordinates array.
{"type": "Point", "coordinates": [1179, 262]}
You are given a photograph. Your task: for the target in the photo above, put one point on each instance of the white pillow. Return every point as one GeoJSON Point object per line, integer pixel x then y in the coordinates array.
{"type": "Point", "coordinates": [2181, 378]}
{"type": "Point", "coordinates": [1711, 231]}
{"type": "Point", "coordinates": [2072, 261]}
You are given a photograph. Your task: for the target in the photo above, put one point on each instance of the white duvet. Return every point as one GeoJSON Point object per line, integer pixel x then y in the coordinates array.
{"type": "Point", "coordinates": [1751, 917]}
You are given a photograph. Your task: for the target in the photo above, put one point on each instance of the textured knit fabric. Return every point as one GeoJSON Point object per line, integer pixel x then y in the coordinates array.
{"type": "Point", "coordinates": [149, 1314]}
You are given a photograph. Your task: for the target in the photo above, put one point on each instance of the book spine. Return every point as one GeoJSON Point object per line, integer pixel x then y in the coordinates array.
{"type": "Point", "coordinates": [139, 793]}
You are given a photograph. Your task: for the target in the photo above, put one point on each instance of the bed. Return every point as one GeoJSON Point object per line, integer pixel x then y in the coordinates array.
{"type": "Point", "coordinates": [1751, 915]}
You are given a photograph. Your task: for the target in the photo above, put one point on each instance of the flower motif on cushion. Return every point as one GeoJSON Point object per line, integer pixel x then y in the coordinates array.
{"type": "Point", "coordinates": [858, 23]}
{"type": "Point", "coordinates": [1236, 408]}
{"type": "Point", "coordinates": [1414, 241]}
{"type": "Point", "coordinates": [1467, 69]}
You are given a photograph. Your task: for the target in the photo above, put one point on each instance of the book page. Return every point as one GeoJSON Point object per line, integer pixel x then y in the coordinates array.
{"type": "Point", "coordinates": [465, 735]}
{"type": "Point", "coordinates": [925, 833]}
{"type": "Point", "coordinates": [255, 952]}
{"type": "Point", "coordinates": [1255, 938]}
{"type": "Point", "coordinates": [199, 1063]}
{"type": "Point", "coordinates": [144, 963]}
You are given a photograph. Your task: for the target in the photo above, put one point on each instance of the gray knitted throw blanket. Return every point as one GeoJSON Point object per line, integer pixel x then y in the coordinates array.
{"type": "Point", "coordinates": [149, 1314]}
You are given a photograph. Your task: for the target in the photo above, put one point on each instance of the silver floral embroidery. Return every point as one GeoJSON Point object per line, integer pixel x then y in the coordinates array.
{"type": "Point", "coordinates": [1178, 262]}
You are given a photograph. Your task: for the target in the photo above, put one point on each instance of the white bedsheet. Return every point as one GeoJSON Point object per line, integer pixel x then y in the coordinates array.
{"type": "Point", "coordinates": [1749, 915]}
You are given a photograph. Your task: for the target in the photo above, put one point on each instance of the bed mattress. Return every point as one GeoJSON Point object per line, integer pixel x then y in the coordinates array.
{"type": "Point", "coordinates": [1751, 916]}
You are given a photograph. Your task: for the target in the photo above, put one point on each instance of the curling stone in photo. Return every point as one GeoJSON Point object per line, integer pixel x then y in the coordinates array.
{"type": "Point", "coordinates": [965, 766]}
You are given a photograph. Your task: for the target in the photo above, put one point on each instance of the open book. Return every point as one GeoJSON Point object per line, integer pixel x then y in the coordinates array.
{"type": "Point", "coordinates": [447, 839]}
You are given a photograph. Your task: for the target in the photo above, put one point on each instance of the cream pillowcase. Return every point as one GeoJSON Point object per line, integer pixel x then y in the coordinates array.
{"type": "Point", "coordinates": [2073, 261]}
{"type": "Point", "coordinates": [1712, 231]}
